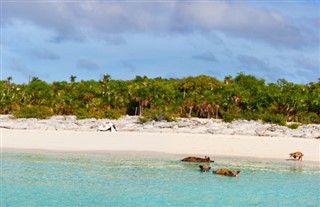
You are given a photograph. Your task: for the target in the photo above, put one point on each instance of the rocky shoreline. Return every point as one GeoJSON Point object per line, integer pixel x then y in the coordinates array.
{"type": "Point", "coordinates": [182, 125]}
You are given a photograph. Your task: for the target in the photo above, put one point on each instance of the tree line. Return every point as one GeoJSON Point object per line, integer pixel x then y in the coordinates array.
{"type": "Point", "coordinates": [240, 97]}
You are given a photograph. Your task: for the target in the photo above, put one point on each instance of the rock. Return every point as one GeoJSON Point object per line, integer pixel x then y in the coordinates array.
{"type": "Point", "coordinates": [163, 125]}
{"type": "Point", "coordinates": [261, 132]}
{"type": "Point", "coordinates": [149, 126]}
{"type": "Point", "coordinates": [272, 128]}
{"type": "Point", "coordinates": [182, 125]}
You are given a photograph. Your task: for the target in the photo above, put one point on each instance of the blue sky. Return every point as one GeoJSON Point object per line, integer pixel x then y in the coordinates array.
{"type": "Point", "coordinates": [53, 40]}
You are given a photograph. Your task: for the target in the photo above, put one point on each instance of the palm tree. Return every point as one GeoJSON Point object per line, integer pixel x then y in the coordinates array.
{"type": "Point", "coordinates": [9, 79]}
{"type": "Point", "coordinates": [106, 78]}
{"type": "Point", "coordinates": [73, 78]}
{"type": "Point", "coordinates": [34, 79]}
{"type": "Point", "coordinates": [228, 79]}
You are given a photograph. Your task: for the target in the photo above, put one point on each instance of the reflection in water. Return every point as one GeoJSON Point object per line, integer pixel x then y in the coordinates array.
{"type": "Point", "coordinates": [297, 168]}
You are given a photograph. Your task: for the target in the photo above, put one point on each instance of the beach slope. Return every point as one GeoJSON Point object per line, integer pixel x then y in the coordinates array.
{"type": "Point", "coordinates": [173, 143]}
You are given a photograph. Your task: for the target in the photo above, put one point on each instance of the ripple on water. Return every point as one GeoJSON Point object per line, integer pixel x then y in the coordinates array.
{"type": "Point", "coordinates": [48, 179]}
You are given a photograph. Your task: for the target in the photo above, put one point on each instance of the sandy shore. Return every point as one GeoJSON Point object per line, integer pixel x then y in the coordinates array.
{"type": "Point", "coordinates": [173, 143]}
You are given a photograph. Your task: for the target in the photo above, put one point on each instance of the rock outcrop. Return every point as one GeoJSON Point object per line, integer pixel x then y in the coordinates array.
{"type": "Point", "coordinates": [182, 125]}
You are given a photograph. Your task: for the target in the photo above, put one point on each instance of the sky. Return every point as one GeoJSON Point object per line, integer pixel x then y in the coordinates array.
{"type": "Point", "coordinates": [53, 40]}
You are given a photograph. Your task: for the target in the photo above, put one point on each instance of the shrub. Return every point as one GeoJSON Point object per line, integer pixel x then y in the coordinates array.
{"type": "Point", "coordinates": [250, 116]}
{"type": "Point", "coordinates": [83, 114]}
{"type": "Point", "coordinates": [308, 118]}
{"type": "Point", "coordinates": [112, 114]}
{"type": "Point", "coordinates": [228, 117]}
{"type": "Point", "coordinates": [156, 115]}
{"type": "Point", "coordinates": [274, 119]}
{"type": "Point", "coordinates": [293, 126]}
{"type": "Point", "coordinates": [144, 119]}
{"type": "Point", "coordinates": [98, 114]}
{"type": "Point", "coordinates": [40, 112]}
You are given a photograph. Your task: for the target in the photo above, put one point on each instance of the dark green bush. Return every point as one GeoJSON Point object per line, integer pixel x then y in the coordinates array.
{"type": "Point", "coordinates": [293, 126]}
{"type": "Point", "coordinates": [112, 114]}
{"type": "Point", "coordinates": [144, 119]}
{"type": "Point", "coordinates": [84, 114]}
{"type": "Point", "coordinates": [250, 116]}
{"type": "Point", "coordinates": [308, 118]}
{"type": "Point", "coordinates": [229, 117]}
{"type": "Point", "coordinates": [40, 112]}
{"type": "Point", "coordinates": [274, 119]}
{"type": "Point", "coordinates": [98, 114]}
{"type": "Point", "coordinates": [156, 115]}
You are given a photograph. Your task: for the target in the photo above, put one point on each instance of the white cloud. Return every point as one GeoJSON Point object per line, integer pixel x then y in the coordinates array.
{"type": "Point", "coordinates": [44, 54]}
{"type": "Point", "coordinates": [240, 20]}
{"type": "Point", "coordinates": [87, 64]}
{"type": "Point", "coordinates": [207, 56]}
{"type": "Point", "coordinates": [157, 38]}
{"type": "Point", "coordinates": [72, 20]}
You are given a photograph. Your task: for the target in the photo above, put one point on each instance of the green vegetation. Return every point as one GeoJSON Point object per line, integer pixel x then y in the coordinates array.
{"type": "Point", "coordinates": [241, 97]}
{"type": "Point", "coordinates": [293, 126]}
{"type": "Point", "coordinates": [156, 115]}
{"type": "Point", "coordinates": [40, 112]}
{"type": "Point", "coordinates": [274, 118]}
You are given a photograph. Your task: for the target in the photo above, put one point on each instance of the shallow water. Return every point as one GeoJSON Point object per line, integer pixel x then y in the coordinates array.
{"type": "Point", "coordinates": [107, 179]}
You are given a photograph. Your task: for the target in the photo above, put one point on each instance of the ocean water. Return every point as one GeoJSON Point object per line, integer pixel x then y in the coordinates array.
{"type": "Point", "coordinates": [109, 179]}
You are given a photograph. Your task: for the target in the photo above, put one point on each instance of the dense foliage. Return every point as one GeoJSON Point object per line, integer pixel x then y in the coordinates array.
{"type": "Point", "coordinates": [244, 97]}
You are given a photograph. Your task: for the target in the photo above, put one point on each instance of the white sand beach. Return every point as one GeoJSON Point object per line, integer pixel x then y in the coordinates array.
{"type": "Point", "coordinates": [174, 143]}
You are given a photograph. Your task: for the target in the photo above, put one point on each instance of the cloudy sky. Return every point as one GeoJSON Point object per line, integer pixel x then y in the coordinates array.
{"type": "Point", "coordinates": [53, 40]}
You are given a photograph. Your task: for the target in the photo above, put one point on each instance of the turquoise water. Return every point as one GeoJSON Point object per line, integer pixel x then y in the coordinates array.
{"type": "Point", "coordinates": [107, 179]}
